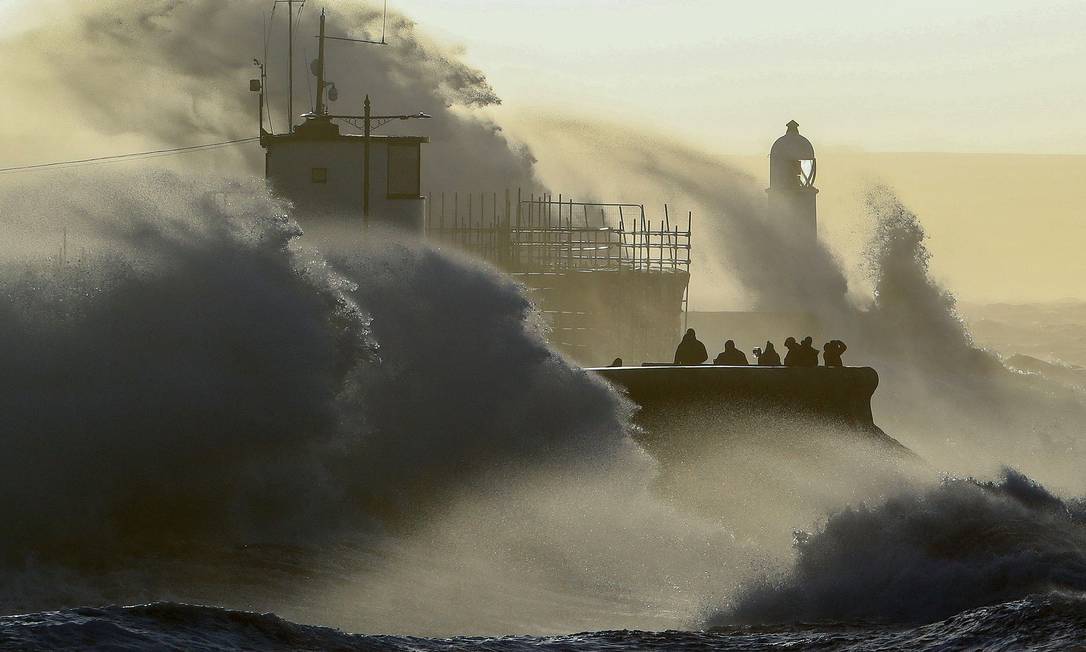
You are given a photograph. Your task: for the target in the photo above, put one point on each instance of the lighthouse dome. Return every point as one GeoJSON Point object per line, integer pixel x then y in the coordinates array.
{"type": "Point", "coordinates": [792, 146]}
{"type": "Point", "coordinates": [792, 161]}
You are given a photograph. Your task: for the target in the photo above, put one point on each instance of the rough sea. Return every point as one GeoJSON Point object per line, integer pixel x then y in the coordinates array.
{"type": "Point", "coordinates": [1052, 621]}
{"type": "Point", "coordinates": [378, 438]}
{"type": "Point", "coordinates": [260, 440]}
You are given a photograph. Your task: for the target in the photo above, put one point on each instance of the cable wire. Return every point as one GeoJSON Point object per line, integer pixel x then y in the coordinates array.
{"type": "Point", "coordinates": [134, 156]}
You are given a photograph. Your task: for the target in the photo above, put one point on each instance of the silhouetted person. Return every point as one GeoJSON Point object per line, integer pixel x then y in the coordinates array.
{"type": "Point", "coordinates": [831, 353]}
{"type": "Point", "coordinates": [769, 357]}
{"type": "Point", "coordinates": [731, 356]}
{"type": "Point", "coordinates": [808, 354]}
{"type": "Point", "coordinates": [690, 350]}
{"type": "Point", "coordinates": [793, 357]}
{"type": "Point", "coordinates": [617, 362]}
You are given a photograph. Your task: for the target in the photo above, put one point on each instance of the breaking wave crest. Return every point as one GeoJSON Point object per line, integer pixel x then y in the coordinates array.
{"type": "Point", "coordinates": [200, 406]}
{"type": "Point", "coordinates": [926, 555]}
{"type": "Point", "coordinates": [198, 376]}
{"type": "Point", "coordinates": [198, 395]}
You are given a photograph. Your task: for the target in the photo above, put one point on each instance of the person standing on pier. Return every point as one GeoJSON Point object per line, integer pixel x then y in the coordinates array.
{"type": "Point", "coordinates": [690, 350]}
{"type": "Point", "coordinates": [794, 355]}
{"type": "Point", "coordinates": [831, 353]}
{"type": "Point", "coordinates": [768, 357]}
{"type": "Point", "coordinates": [731, 356]}
{"type": "Point", "coordinates": [808, 354]}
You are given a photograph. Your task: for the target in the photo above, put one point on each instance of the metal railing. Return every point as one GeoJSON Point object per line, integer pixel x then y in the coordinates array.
{"type": "Point", "coordinates": [541, 233]}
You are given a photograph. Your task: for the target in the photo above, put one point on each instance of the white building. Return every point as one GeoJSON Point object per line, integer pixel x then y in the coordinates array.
{"type": "Point", "coordinates": [348, 178]}
{"type": "Point", "coordinates": [323, 172]}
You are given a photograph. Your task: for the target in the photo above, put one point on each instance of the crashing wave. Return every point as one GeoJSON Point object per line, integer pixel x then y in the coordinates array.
{"type": "Point", "coordinates": [926, 555]}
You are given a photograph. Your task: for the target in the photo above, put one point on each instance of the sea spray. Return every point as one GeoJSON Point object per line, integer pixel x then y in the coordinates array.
{"type": "Point", "coordinates": [177, 381]}
{"type": "Point", "coordinates": [200, 407]}
{"type": "Point", "coordinates": [133, 75]}
{"type": "Point", "coordinates": [922, 556]}
{"type": "Point", "coordinates": [951, 402]}
{"type": "Point", "coordinates": [202, 354]}
{"type": "Point", "coordinates": [190, 396]}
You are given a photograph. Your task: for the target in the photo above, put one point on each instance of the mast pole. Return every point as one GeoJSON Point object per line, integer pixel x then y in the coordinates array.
{"type": "Point", "coordinates": [290, 66]}
{"type": "Point", "coordinates": [320, 69]}
{"type": "Point", "coordinates": [366, 163]}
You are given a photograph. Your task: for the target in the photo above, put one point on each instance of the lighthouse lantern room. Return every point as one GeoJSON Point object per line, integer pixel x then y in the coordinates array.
{"type": "Point", "coordinates": [792, 169]}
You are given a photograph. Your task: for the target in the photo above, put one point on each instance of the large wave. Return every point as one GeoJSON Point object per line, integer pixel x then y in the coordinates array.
{"type": "Point", "coordinates": [194, 388]}
{"type": "Point", "coordinates": [199, 375]}
{"type": "Point", "coordinates": [922, 556]}
{"type": "Point", "coordinates": [198, 396]}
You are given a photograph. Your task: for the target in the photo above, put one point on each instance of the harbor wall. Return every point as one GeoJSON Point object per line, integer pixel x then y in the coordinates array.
{"type": "Point", "coordinates": [685, 408]}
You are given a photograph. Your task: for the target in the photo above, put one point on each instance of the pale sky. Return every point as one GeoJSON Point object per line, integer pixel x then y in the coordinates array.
{"type": "Point", "coordinates": [917, 75]}
{"type": "Point", "coordinates": [913, 75]}
{"type": "Point", "coordinates": [861, 77]}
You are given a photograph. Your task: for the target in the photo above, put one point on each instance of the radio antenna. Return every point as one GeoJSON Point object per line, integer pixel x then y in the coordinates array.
{"type": "Point", "coordinates": [268, 23]}
{"type": "Point", "coordinates": [290, 54]}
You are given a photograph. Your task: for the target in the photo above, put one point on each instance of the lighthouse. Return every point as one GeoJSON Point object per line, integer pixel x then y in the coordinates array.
{"type": "Point", "coordinates": [791, 191]}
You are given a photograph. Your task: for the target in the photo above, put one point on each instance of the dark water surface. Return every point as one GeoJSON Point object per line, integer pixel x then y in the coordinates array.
{"type": "Point", "coordinates": [1053, 621]}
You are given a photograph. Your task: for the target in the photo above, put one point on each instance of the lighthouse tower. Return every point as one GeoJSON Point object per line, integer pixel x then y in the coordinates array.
{"type": "Point", "coordinates": [791, 185]}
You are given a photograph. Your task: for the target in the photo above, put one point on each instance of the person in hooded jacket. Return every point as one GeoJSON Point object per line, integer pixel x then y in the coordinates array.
{"type": "Point", "coordinates": [768, 357]}
{"type": "Point", "coordinates": [690, 350]}
{"type": "Point", "coordinates": [808, 354]}
{"type": "Point", "coordinates": [731, 356]}
{"type": "Point", "coordinates": [831, 353]}
{"type": "Point", "coordinates": [794, 355]}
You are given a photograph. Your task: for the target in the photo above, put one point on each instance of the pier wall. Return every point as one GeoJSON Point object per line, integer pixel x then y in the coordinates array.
{"type": "Point", "coordinates": [744, 446]}
{"type": "Point", "coordinates": [683, 409]}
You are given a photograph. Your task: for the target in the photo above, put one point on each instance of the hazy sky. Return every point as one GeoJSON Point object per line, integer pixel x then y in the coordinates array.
{"type": "Point", "coordinates": [916, 75]}
{"type": "Point", "coordinates": [934, 75]}
{"type": "Point", "coordinates": [951, 76]}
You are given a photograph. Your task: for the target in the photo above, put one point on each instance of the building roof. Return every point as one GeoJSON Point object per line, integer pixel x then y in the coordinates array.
{"type": "Point", "coordinates": [324, 130]}
{"type": "Point", "coordinates": [792, 146]}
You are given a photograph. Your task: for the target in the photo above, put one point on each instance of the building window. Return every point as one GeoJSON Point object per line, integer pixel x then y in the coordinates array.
{"type": "Point", "coordinates": [319, 175]}
{"type": "Point", "coordinates": [403, 171]}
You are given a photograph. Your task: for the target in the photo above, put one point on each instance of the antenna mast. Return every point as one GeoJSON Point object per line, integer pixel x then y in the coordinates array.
{"type": "Point", "coordinates": [320, 69]}
{"type": "Point", "coordinates": [290, 60]}
{"type": "Point", "coordinates": [290, 66]}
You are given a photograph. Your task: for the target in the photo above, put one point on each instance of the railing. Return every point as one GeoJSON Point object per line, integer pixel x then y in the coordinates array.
{"type": "Point", "coordinates": [541, 234]}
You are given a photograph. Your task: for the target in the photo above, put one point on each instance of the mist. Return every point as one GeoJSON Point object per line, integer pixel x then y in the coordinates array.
{"type": "Point", "coordinates": [940, 394]}
{"type": "Point", "coordinates": [121, 76]}
{"type": "Point", "coordinates": [208, 405]}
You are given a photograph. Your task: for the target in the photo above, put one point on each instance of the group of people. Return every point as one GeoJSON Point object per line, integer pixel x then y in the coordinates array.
{"type": "Point", "coordinates": [800, 354]}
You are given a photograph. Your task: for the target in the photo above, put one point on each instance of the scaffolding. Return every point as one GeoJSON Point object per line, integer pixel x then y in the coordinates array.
{"type": "Point", "coordinates": [606, 277]}
{"type": "Point", "coordinates": [544, 234]}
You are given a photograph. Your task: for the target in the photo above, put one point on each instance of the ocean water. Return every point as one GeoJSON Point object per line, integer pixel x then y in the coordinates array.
{"type": "Point", "coordinates": [248, 435]}
{"type": "Point", "coordinates": [240, 435]}
{"type": "Point", "coordinates": [1052, 621]}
